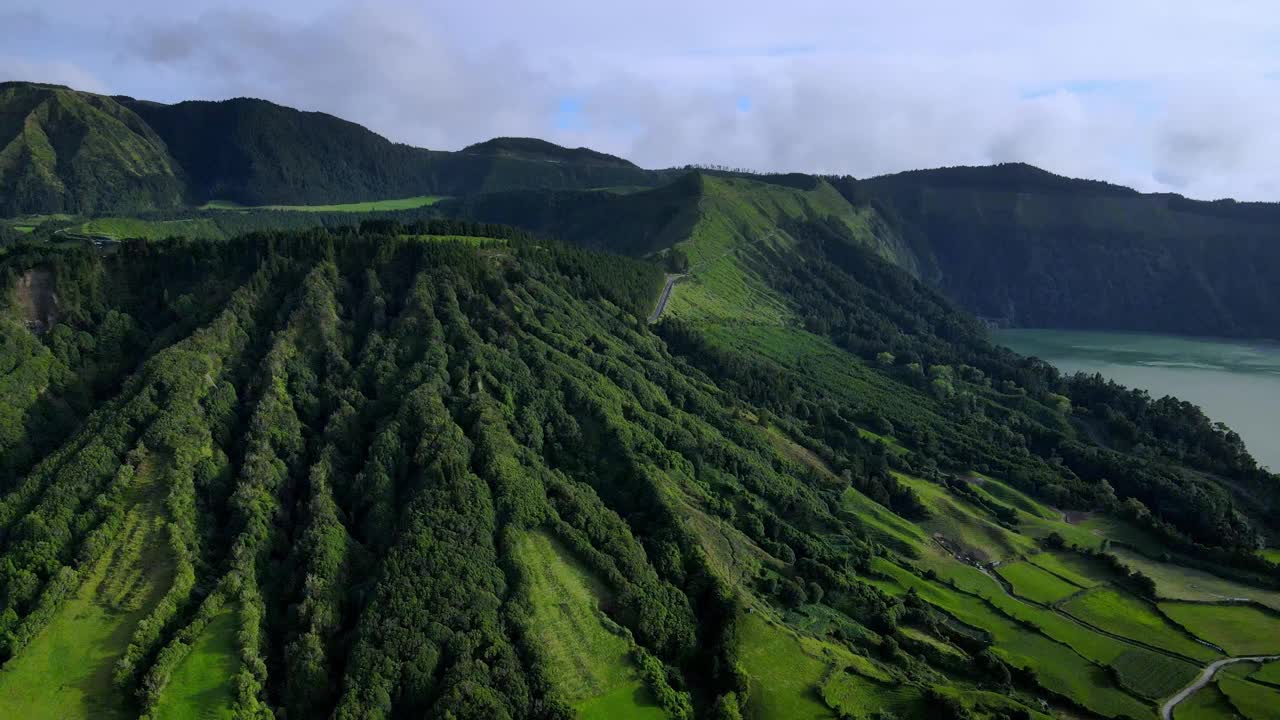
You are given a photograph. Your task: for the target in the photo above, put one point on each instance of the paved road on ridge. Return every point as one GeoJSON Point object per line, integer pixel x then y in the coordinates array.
{"type": "Point", "coordinates": [664, 297]}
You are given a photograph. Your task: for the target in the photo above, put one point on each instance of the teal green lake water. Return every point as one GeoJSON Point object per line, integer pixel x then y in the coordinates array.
{"type": "Point", "coordinates": [1235, 382]}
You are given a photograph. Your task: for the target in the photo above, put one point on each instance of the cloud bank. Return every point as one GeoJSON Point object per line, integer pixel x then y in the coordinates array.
{"type": "Point", "coordinates": [1162, 96]}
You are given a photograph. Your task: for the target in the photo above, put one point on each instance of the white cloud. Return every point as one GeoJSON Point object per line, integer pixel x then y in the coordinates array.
{"type": "Point", "coordinates": [1159, 95]}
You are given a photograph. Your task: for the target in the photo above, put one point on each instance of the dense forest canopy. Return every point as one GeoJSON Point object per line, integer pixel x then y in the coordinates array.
{"type": "Point", "coordinates": [1011, 243]}
{"type": "Point", "coordinates": [369, 467]}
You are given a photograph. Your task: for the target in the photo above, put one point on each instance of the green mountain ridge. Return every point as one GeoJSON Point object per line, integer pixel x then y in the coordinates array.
{"type": "Point", "coordinates": [448, 469]}
{"type": "Point", "coordinates": [1014, 244]}
{"type": "Point", "coordinates": [66, 151]}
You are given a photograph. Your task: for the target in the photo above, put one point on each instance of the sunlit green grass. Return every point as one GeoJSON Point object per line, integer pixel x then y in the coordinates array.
{"type": "Point", "coordinates": [65, 673]}
{"type": "Point", "coordinates": [120, 228]}
{"type": "Point", "coordinates": [785, 679]}
{"type": "Point", "coordinates": [202, 686]}
{"type": "Point", "coordinates": [1175, 582]}
{"type": "Point", "coordinates": [588, 657]}
{"type": "Point", "coordinates": [1208, 703]}
{"type": "Point", "coordinates": [1254, 701]}
{"type": "Point", "coordinates": [1057, 666]}
{"type": "Point", "coordinates": [1238, 629]}
{"type": "Point", "coordinates": [356, 207]}
{"type": "Point", "coordinates": [1153, 675]}
{"type": "Point", "coordinates": [1130, 617]}
{"type": "Point", "coordinates": [1074, 568]}
{"type": "Point", "coordinates": [1033, 583]}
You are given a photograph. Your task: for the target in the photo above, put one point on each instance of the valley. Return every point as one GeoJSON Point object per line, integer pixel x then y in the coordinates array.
{"type": "Point", "coordinates": [525, 431]}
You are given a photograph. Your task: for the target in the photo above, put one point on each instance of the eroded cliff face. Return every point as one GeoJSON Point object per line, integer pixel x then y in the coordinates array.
{"type": "Point", "coordinates": [36, 299]}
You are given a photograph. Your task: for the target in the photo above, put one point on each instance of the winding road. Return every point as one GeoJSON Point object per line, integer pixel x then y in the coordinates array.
{"type": "Point", "coordinates": [664, 297]}
{"type": "Point", "coordinates": [1166, 710]}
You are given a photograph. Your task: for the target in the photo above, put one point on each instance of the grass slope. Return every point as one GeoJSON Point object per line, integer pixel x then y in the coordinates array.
{"type": "Point", "coordinates": [1071, 567]}
{"type": "Point", "coordinates": [1033, 583]}
{"type": "Point", "coordinates": [1153, 676]}
{"type": "Point", "coordinates": [1253, 701]}
{"type": "Point", "coordinates": [1238, 629]}
{"type": "Point", "coordinates": [1129, 617]}
{"type": "Point", "coordinates": [784, 676]}
{"type": "Point", "coordinates": [737, 230]}
{"type": "Point", "coordinates": [66, 671]}
{"type": "Point", "coordinates": [589, 657]}
{"type": "Point", "coordinates": [1174, 582]}
{"type": "Point", "coordinates": [1207, 704]}
{"type": "Point", "coordinates": [1057, 666]}
{"type": "Point", "coordinates": [408, 203]}
{"type": "Point", "coordinates": [120, 228]}
{"type": "Point", "coordinates": [201, 687]}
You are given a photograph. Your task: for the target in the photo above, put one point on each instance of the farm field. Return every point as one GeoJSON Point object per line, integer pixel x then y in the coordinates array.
{"type": "Point", "coordinates": [1129, 617]}
{"type": "Point", "coordinates": [1268, 673]}
{"type": "Point", "coordinates": [1254, 701]}
{"type": "Point", "coordinates": [1152, 675]}
{"type": "Point", "coordinates": [966, 528]}
{"type": "Point", "coordinates": [409, 203]}
{"type": "Point", "coordinates": [784, 675]}
{"type": "Point", "coordinates": [66, 671]}
{"type": "Point", "coordinates": [1069, 566]}
{"type": "Point", "coordinates": [591, 661]}
{"type": "Point", "coordinates": [1175, 582]}
{"type": "Point", "coordinates": [1208, 703]}
{"type": "Point", "coordinates": [1058, 667]}
{"type": "Point", "coordinates": [201, 687]}
{"type": "Point", "coordinates": [1033, 583]}
{"type": "Point", "coordinates": [120, 228]}
{"type": "Point", "coordinates": [1238, 629]}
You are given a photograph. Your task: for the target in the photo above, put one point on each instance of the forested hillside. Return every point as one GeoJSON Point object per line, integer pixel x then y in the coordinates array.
{"type": "Point", "coordinates": [1010, 243]}
{"type": "Point", "coordinates": [63, 151]}
{"type": "Point", "coordinates": [1022, 246]}
{"type": "Point", "coordinates": [447, 469]}
{"type": "Point", "coordinates": [254, 152]}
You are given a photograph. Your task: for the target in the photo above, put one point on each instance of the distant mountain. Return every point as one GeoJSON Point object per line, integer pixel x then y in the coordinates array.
{"type": "Point", "coordinates": [534, 149]}
{"type": "Point", "coordinates": [1029, 248]}
{"type": "Point", "coordinates": [1011, 243]}
{"type": "Point", "coordinates": [68, 151]}
{"type": "Point", "coordinates": [256, 153]}
{"type": "Point", "coordinates": [79, 152]}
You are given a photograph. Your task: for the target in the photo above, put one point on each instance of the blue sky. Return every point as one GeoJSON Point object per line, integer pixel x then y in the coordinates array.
{"type": "Point", "coordinates": [1168, 96]}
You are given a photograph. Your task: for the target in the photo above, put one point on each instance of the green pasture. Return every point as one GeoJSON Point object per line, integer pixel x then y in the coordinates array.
{"type": "Point", "coordinates": [1175, 582]}
{"type": "Point", "coordinates": [1129, 617]}
{"type": "Point", "coordinates": [202, 686]}
{"type": "Point", "coordinates": [409, 203]}
{"type": "Point", "coordinates": [1033, 583]}
{"type": "Point", "coordinates": [589, 656]}
{"type": "Point", "coordinates": [1238, 629]}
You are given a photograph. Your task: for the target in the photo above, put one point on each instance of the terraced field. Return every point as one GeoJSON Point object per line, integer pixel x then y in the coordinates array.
{"type": "Point", "coordinates": [1033, 583]}
{"type": "Point", "coordinates": [1238, 629]}
{"type": "Point", "coordinates": [1057, 666]}
{"type": "Point", "coordinates": [1175, 582]}
{"type": "Point", "coordinates": [1129, 617]}
{"type": "Point", "coordinates": [1253, 701]}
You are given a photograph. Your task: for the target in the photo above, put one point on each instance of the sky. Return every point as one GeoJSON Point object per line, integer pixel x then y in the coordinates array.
{"type": "Point", "coordinates": [1162, 96]}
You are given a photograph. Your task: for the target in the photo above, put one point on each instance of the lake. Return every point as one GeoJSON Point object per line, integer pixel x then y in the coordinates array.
{"type": "Point", "coordinates": [1236, 382]}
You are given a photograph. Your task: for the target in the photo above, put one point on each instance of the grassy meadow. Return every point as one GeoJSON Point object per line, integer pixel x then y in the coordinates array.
{"type": "Point", "coordinates": [1033, 583]}
{"type": "Point", "coordinates": [65, 673]}
{"type": "Point", "coordinates": [590, 656]}
{"type": "Point", "coordinates": [1238, 629]}
{"type": "Point", "coordinates": [201, 687]}
{"type": "Point", "coordinates": [409, 203]}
